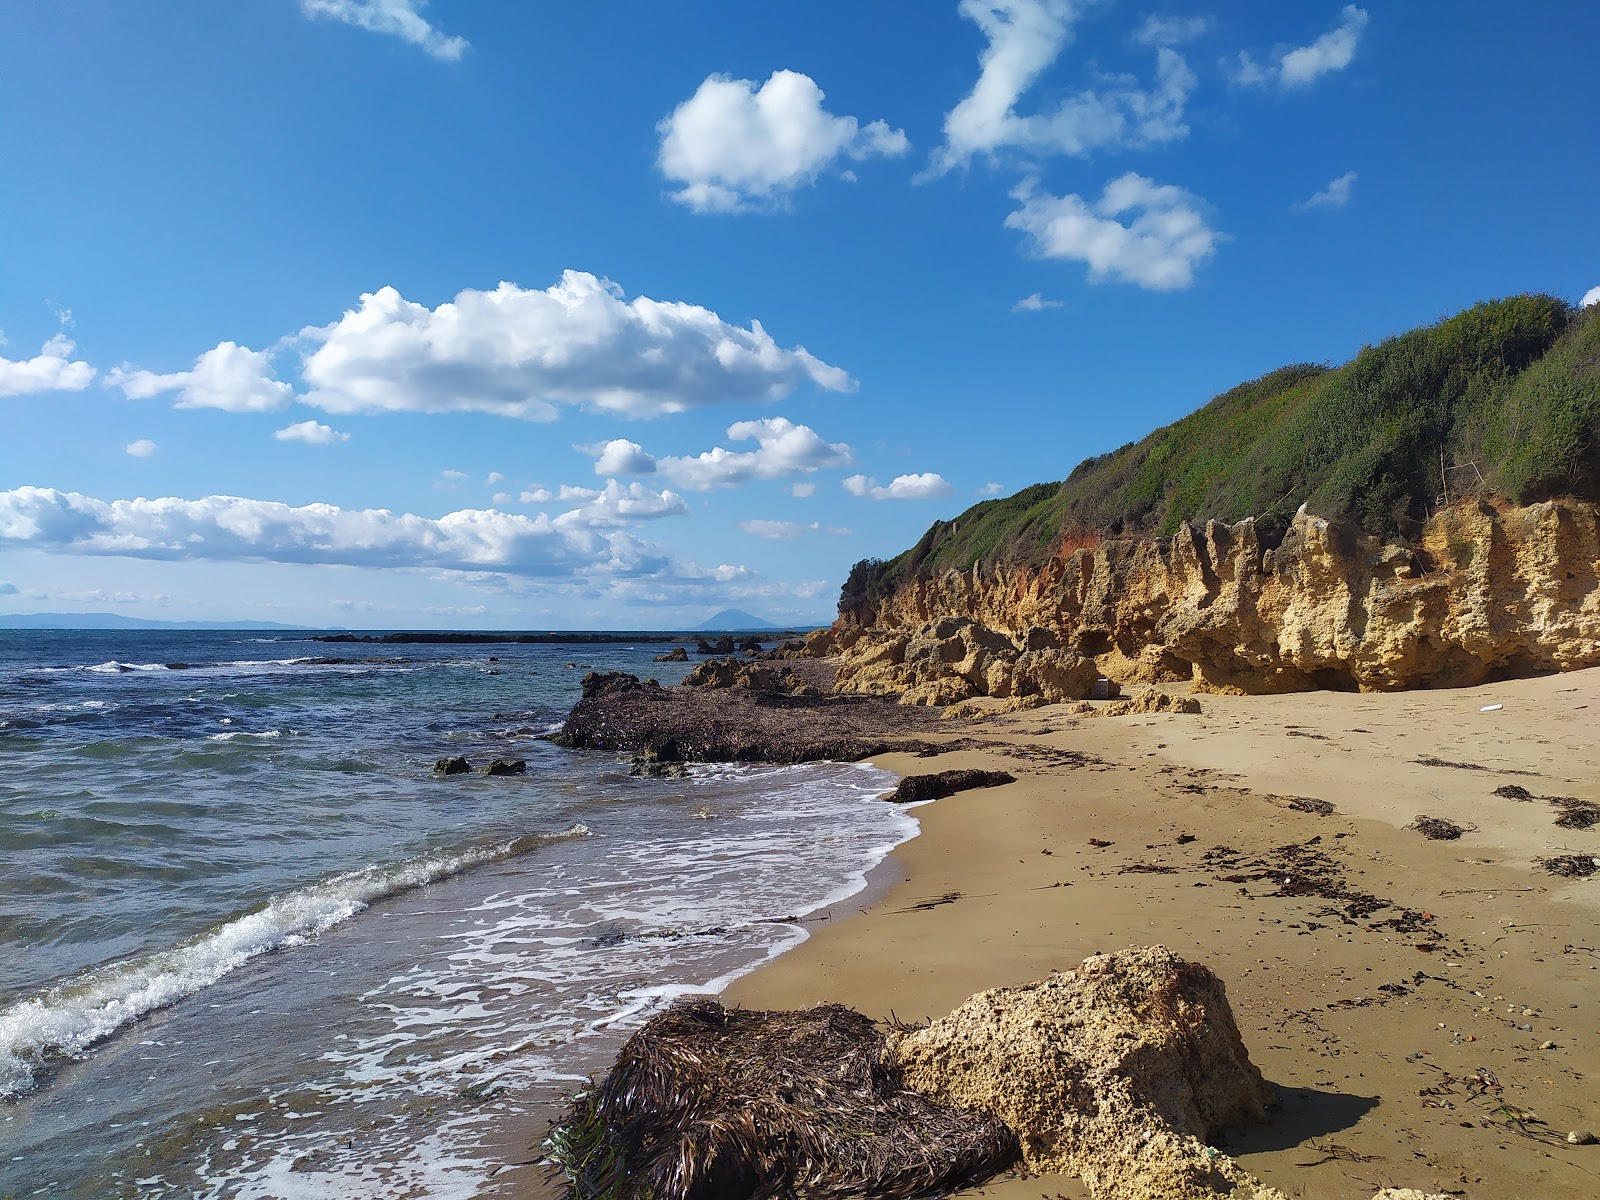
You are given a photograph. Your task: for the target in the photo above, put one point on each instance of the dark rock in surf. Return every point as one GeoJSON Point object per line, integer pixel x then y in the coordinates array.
{"type": "Point", "coordinates": [452, 766]}
{"type": "Point", "coordinates": [676, 654]}
{"type": "Point", "coordinates": [915, 788]}
{"type": "Point", "coordinates": [506, 766]}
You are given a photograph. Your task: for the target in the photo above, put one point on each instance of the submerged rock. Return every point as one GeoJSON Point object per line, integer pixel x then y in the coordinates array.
{"type": "Point", "coordinates": [1117, 1072]}
{"type": "Point", "coordinates": [452, 766]}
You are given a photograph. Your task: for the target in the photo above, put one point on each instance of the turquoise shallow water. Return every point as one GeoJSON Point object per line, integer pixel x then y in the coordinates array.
{"type": "Point", "coordinates": [251, 946]}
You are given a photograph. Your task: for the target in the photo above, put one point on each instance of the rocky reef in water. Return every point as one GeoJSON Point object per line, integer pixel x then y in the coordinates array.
{"type": "Point", "coordinates": [1486, 591]}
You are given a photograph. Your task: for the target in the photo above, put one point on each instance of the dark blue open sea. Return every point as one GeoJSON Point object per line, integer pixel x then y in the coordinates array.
{"type": "Point", "coordinates": [251, 946]}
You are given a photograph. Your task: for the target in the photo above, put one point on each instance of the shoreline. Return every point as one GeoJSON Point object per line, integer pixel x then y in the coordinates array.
{"type": "Point", "coordinates": [1370, 1033]}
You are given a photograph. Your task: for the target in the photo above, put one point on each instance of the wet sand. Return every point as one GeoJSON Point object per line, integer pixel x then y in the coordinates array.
{"type": "Point", "coordinates": [1428, 1010]}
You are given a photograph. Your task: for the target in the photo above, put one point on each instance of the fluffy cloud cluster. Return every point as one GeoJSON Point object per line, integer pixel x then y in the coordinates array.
{"type": "Point", "coordinates": [397, 18]}
{"type": "Point", "coordinates": [51, 370]}
{"type": "Point", "coordinates": [231, 377]}
{"type": "Point", "coordinates": [1591, 297]}
{"type": "Point", "coordinates": [1024, 38]}
{"type": "Point", "coordinates": [615, 506]}
{"type": "Point", "coordinates": [732, 146]}
{"type": "Point", "coordinates": [1159, 248]}
{"type": "Point", "coordinates": [1298, 67]}
{"type": "Point", "coordinates": [523, 353]}
{"type": "Point", "coordinates": [231, 528]}
{"type": "Point", "coordinates": [926, 486]}
{"type": "Point", "coordinates": [782, 448]}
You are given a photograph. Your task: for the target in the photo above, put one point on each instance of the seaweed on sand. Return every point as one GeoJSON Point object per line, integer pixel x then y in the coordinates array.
{"type": "Point", "coordinates": [1570, 866]}
{"type": "Point", "coordinates": [1437, 829]}
{"type": "Point", "coordinates": [1575, 813]}
{"type": "Point", "coordinates": [712, 1102]}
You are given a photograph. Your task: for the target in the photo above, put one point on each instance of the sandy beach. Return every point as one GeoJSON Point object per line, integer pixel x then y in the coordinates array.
{"type": "Point", "coordinates": [1425, 1009]}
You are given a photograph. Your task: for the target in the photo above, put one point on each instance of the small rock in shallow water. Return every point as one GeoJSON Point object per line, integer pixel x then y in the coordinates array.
{"type": "Point", "coordinates": [452, 766]}
{"type": "Point", "coordinates": [505, 766]}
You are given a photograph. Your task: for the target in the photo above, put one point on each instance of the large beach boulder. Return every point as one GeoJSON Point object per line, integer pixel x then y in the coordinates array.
{"type": "Point", "coordinates": [1117, 1072]}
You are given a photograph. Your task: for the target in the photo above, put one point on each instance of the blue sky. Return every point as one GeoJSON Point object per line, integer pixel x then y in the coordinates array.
{"type": "Point", "coordinates": [378, 313]}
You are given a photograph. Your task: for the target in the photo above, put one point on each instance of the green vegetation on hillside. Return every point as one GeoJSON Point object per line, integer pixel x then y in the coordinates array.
{"type": "Point", "coordinates": [1500, 400]}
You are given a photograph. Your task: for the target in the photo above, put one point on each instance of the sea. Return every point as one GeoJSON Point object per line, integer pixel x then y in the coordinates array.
{"type": "Point", "coordinates": [251, 945]}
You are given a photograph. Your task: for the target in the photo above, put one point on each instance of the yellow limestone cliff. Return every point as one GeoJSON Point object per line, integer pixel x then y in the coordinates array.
{"type": "Point", "coordinates": [1484, 593]}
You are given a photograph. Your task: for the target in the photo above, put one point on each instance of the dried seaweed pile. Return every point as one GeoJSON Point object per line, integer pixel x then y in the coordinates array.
{"type": "Point", "coordinates": [1570, 866]}
{"type": "Point", "coordinates": [1437, 829]}
{"type": "Point", "coordinates": [712, 1102]}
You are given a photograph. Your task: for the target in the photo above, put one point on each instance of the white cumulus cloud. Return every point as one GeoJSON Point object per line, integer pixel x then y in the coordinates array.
{"type": "Point", "coordinates": [143, 448]}
{"type": "Point", "coordinates": [733, 147]}
{"type": "Point", "coordinates": [1159, 248]}
{"type": "Point", "coordinates": [1303, 65]}
{"type": "Point", "coordinates": [926, 486]}
{"type": "Point", "coordinates": [523, 353]}
{"type": "Point", "coordinates": [51, 370]}
{"type": "Point", "coordinates": [1592, 296]}
{"type": "Point", "coordinates": [1335, 195]}
{"type": "Point", "coordinates": [990, 489]}
{"type": "Point", "coordinates": [231, 377]}
{"type": "Point", "coordinates": [397, 18]}
{"type": "Point", "coordinates": [312, 433]}
{"type": "Point", "coordinates": [782, 448]}
{"type": "Point", "coordinates": [1024, 38]}
{"type": "Point", "coordinates": [622, 457]}
{"type": "Point", "coordinates": [802, 491]}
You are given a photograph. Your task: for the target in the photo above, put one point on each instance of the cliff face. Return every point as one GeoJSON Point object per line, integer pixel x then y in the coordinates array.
{"type": "Point", "coordinates": [1486, 593]}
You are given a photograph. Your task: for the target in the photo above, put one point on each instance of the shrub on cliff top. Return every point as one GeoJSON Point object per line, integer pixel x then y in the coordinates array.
{"type": "Point", "coordinates": [1500, 400]}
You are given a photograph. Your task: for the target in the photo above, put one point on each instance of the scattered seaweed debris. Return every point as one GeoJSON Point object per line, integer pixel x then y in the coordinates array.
{"type": "Point", "coordinates": [1100, 843]}
{"type": "Point", "coordinates": [708, 1102]}
{"type": "Point", "coordinates": [930, 905]}
{"type": "Point", "coordinates": [1437, 829]}
{"type": "Point", "coordinates": [1306, 804]}
{"type": "Point", "coordinates": [1431, 761]}
{"type": "Point", "coordinates": [1512, 791]}
{"type": "Point", "coordinates": [1575, 813]}
{"type": "Point", "coordinates": [1147, 868]}
{"type": "Point", "coordinates": [1570, 866]}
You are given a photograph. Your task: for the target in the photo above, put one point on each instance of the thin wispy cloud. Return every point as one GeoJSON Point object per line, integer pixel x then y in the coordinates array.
{"type": "Point", "coordinates": [395, 18]}
{"type": "Point", "coordinates": [1171, 31]}
{"type": "Point", "coordinates": [734, 147]}
{"type": "Point", "coordinates": [1025, 37]}
{"type": "Point", "coordinates": [1335, 195]}
{"type": "Point", "coordinates": [1165, 239]}
{"type": "Point", "coordinates": [1303, 65]}
{"type": "Point", "coordinates": [1035, 303]}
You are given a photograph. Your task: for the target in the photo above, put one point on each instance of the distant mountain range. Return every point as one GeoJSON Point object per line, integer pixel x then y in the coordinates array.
{"type": "Point", "coordinates": [117, 621]}
{"type": "Point", "coordinates": [730, 619]}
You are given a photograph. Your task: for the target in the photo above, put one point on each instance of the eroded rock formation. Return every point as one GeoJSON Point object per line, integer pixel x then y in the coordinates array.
{"type": "Point", "coordinates": [1117, 1072]}
{"type": "Point", "coordinates": [1485, 593]}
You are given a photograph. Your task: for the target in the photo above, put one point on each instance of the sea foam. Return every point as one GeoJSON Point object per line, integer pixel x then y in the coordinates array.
{"type": "Point", "coordinates": [64, 1021]}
